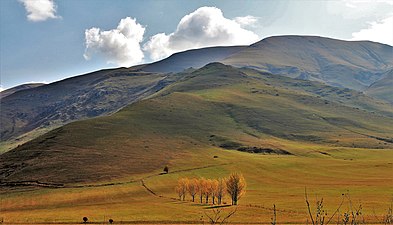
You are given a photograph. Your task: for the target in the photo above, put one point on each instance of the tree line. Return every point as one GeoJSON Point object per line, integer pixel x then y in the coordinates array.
{"type": "Point", "coordinates": [213, 189]}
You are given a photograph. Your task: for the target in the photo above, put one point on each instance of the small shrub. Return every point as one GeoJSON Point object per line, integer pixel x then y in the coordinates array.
{"type": "Point", "coordinates": [166, 169]}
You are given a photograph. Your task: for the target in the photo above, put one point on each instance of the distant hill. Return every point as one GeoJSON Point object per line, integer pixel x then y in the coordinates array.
{"type": "Point", "coordinates": [383, 88]}
{"type": "Point", "coordinates": [343, 64]}
{"type": "Point", "coordinates": [94, 94]}
{"type": "Point", "coordinates": [350, 64]}
{"type": "Point", "coordinates": [19, 88]}
{"type": "Point", "coordinates": [195, 58]}
{"type": "Point", "coordinates": [217, 105]}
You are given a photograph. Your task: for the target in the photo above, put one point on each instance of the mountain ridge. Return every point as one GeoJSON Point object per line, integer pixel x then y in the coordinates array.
{"type": "Point", "coordinates": [106, 91]}
{"type": "Point", "coordinates": [351, 64]}
{"type": "Point", "coordinates": [217, 106]}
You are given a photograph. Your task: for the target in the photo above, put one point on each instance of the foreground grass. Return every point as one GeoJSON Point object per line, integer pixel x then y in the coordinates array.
{"type": "Point", "coordinates": [271, 179]}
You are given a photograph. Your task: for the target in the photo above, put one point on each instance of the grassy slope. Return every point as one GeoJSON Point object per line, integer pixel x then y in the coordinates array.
{"type": "Point", "coordinates": [50, 106]}
{"type": "Point", "coordinates": [382, 89]}
{"type": "Point", "coordinates": [175, 128]}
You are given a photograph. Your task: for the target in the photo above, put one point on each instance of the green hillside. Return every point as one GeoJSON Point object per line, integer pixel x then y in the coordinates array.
{"type": "Point", "coordinates": [217, 105]}
{"type": "Point", "coordinates": [28, 113]}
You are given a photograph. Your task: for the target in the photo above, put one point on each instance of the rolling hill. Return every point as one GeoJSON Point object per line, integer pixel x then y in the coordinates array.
{"type": "Point", "coordinates": [350, 64]}
{"type": "Point", "coordinates": [353, 65]}
{"type": "Point", "coordinates": [19, 88]}
{"type": "Point", "coordinates": [383, 88]}
{"type": "Point", "coordinates": [216, 106]}
{"type": "Point", "coordinates": [25, 112]}
{"type": "Point", "coordinates": [195, 58]}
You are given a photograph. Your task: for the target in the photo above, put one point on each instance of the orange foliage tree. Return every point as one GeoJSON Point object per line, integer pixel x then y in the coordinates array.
{"type": "Point", "coordinates": [181, 188]}
{"type": "Point", "coordinates": [236, 187]}
{"type": "Point", "coordinates": [192, 188]}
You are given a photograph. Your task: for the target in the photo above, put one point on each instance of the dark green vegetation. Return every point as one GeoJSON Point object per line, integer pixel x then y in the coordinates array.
{"type": "Point", "coordinates": [217, 105]}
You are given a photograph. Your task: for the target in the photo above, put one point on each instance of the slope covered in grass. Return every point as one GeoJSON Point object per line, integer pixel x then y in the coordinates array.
{"type": "Point", "coordinates": [95, 94]}
{"type": "Point", "coordinates": [217, 106]}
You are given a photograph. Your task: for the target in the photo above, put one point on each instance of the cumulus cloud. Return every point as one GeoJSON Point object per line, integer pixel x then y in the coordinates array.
{"type": "Point", "coordinates": [119, 46]}
{"type": "Point", "coordinates": [204, 27]}
{"type": "Point", "coordinates": [246, 21]}
{"type": "Point", "coordinates": [375, 18]}
{"type": "Point", "coordinates": [40, 10]}
{"type": "Point", "coordinates": [381, 31]}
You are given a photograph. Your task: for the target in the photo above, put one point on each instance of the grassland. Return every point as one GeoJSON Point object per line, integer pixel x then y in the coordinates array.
{"type": "Point", "coordinates": [271, 179]}
{"type": "Point", "coordinates": [335, 148]}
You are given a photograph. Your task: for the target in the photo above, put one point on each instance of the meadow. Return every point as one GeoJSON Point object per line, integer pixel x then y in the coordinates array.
{"type": "Point", "coordinates": [271, 179]}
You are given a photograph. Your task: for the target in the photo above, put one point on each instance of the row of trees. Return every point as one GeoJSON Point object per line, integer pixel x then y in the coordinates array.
{"type": "Point", "coordinates": [214, 189]}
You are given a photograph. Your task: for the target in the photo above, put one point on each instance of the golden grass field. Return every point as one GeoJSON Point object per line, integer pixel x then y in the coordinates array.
{"type": "Point", "coordinates": [271, 179]}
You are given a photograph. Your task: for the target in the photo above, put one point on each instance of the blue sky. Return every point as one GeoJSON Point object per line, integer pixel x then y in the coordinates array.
{"type": "Point", "coordinates": [49, 40]}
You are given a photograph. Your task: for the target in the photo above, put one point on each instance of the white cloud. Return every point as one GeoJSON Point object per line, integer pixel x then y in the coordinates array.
{"type": "Point", "coordinates": [381, 31]}
{"type": "Point", "coordinates": [204, 27]}
{"type": "Point", "coordinates": [373, 18]}
{"type": "Point", "coordinates": [356, 9]}
{"type": "Point", "coordinates": [40, 10]}
{"type": "Point", "coordinates": [119, 46]}
{"type": "Point", "coordinates": [1, 88]}
{"type": "Point", "coordinates": [246, 21]}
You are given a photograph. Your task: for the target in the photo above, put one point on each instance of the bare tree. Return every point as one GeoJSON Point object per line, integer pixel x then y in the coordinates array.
{"type": "Point", "coordinates": [217, 216]}
{"type": "Point", "coordinates": [321, 216]}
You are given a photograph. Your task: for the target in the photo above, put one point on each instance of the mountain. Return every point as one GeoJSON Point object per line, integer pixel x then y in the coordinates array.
{"type": "Point", "coordinates": [52, 105]}
{"type": "Point", "coordinates": [217, 106]}
{"type": "Point", "coordinates": [195, 58]}
{"type": "Point", "coordinates": [383, 88]}
{"type": "Point", "coordinates": [19, 88]}
{"type": "Point", "coordinates": [353, 65]}
{"type": "Point", "coordinates": [93, 94]}
{"type": "Point", "coordinates": [350, 64]}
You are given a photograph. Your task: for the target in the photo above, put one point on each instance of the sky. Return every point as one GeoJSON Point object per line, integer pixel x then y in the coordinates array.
{"type": "Point", "coordinates": [49, 40]}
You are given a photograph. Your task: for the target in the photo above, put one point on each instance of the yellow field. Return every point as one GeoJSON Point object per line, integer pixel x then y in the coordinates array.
{"type": "Point", "coordinates": [271, 179]}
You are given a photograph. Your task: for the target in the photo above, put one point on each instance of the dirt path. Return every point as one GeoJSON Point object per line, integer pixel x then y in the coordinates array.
{"type": "Point", "coordinates": [176, 171]}
{"type": "Point", "coordinates": [35, 183]}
